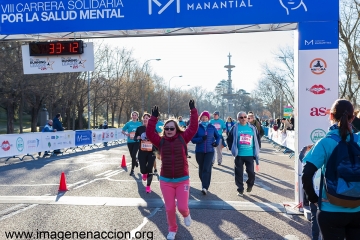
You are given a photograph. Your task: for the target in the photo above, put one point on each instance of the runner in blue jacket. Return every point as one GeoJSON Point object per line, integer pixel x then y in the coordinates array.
{"type": "Point", "coordinates": [206, 138]}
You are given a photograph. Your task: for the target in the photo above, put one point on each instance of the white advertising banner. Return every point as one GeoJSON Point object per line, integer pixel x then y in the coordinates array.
{"type": "Point", "coordinates": [97, 136]}
{"type": "Point", "coordinates": [58, 64]}
{"type": "Point", "coordinates": [12, 145]}
{"type": "Point", "coordinates": [317, 89]}
{"type": "Point", "coordinates": [316, 72]}
{"type": "Point", "coordinates": [29, 143]}
{"type": "Point", "coordinates": [120, 135]}
{"type": "Point", "coordinates": [57, 140]}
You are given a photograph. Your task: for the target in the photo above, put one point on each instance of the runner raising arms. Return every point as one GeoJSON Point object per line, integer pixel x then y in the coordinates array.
{"type": "Point", "coordinates": [174, 174]}
{"type": "Point", "coordinates": [129, 131]}
{"type": "Point", "coordinates": [146, 152]}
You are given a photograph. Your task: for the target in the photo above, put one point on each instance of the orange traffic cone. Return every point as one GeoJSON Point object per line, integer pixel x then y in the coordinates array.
{"type": "Point", "coordinates": [123, 162]}
{"type": "Point", "coordinates": [62, 186]}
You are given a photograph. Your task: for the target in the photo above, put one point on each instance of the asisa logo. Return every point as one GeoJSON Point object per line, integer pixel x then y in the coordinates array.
{"type": "Point", "coordinates": [318, 89]}
{"type": "Point", "coordinates": [316, 112]}
{"type": "Point", "coordinates": [318, 66]}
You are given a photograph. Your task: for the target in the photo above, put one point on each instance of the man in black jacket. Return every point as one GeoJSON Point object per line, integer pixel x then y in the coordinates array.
{"type": "Point", "coordinates": [58, 126]}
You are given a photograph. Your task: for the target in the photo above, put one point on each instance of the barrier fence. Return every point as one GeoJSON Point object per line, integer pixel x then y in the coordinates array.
{"type": "Point", "coordinates": [26, 144]}
{"type": "Point", "coordinates": [285, 141]}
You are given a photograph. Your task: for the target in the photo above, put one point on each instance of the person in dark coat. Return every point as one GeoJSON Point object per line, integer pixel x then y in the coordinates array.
{"type": "Point", "coordinates": [206, 139]}
{"type": "Point", "coordinates": [57, 125]}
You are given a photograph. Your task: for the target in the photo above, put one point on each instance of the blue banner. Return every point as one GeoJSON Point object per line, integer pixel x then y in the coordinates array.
{"type": "Point", "coordinates": [318, 35]}
{"type": "Point", "coordinates": [83, 137]}
{"type": "Point", "coordinates": [48, 16]}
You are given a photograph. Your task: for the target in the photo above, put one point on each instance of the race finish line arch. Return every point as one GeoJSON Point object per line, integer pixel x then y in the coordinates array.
{"type": "Point", "coordinates": [316, 40]}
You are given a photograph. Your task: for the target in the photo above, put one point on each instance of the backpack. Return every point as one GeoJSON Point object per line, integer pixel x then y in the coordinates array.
{"type": "Point", "coordinates": [181, 140]}
{"type": "Point", "coordinates": [342, 174]}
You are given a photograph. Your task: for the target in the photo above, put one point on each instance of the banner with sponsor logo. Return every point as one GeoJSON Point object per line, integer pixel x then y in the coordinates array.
{"type": "Point", "coordinates": [316, 85]}
{"type": "Point", "coordinates": [29, 143]}
{"type": "Point", "coordinates": [57, 140]}
{"type": "Point", "coordinates": [83, 137]}
{"type": "Point", "coordinates": [43, 16]}
{"type": "Point", "coordinates": [12, 145]}
{"type": "Point", "coordinates": [58, 64]}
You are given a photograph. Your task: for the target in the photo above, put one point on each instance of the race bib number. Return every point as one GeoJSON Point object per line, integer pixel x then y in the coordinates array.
{"type": "Point", "coordinates": [146, 146]}
{"type": "Point", "coordinates": [245, 139]}
{"type": "Point", "coordinates": [132, 135]}
{"type": "Point", "coordinates": [217, 126]}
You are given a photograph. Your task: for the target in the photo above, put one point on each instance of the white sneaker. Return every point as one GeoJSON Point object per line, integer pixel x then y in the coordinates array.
{"type": "Point", "coordinates": [171, 236]}
{"type": "Point", "coordinates": [187, 220]}
{"type": "Point", "coordinates": [204, 191]}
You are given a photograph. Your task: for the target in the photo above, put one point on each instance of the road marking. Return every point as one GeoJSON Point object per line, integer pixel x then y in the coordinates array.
{"type": "Point", "coordinates": [30, 185]}
{"type": "Point", "coordinates": [92, 165]}
{"type": "Point", "coordinates": [113, 173]}
{"type": "Point", "coordinates": [71, 185]}
{"type": "Point", "coordinates": [11, 208]}
{"type": "Point", "coordinates": [145, 221]}
{"type": "Point", "coordinates": [103, 173]}
{"type": "Point", "coordinates": [18, 211]}
{"type": "Point", "coordinates": [140, 202]}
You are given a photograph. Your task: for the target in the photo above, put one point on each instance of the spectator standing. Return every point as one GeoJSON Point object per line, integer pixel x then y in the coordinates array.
{"type": "Point", "coordinates": [257, 124]}
{"type": "Point", "coordinates": [245, 149]}
{"type": "Point", "coordinates": [48, 128]}
{"type": "Point", "coordinates": [105, 126]}
{"type": "Point", "coordinates": [57, 125]}
{"type": "Point", "coordinates": [181, 122]}
{"type": "Point", "coordinates": [220, 126]}
{"type": "Point", "coordinates": [229, 123]}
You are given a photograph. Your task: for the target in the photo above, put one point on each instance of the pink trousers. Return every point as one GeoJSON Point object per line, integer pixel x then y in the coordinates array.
{"type": "Point", "coordinates": [180, 192]}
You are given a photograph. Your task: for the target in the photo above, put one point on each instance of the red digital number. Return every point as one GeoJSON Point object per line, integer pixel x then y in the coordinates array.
{"type": "Point", "coordinates": [74, 47]}
{"type": "Point", "coordinates": [58, 48]}
{"type": "Point", "coordinates": [51, 48]}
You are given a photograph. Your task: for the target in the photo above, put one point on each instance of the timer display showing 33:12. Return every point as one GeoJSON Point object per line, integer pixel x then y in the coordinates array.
{"type": "Point", "coordinates": [56, 48]}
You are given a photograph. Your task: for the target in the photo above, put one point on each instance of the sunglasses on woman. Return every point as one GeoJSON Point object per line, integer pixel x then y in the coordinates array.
{"type": "Point", "coordinates": [169, 129]}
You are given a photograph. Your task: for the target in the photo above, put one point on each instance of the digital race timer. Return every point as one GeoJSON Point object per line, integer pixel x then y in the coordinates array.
{"type": "Point", "coordinates": [56, 48]}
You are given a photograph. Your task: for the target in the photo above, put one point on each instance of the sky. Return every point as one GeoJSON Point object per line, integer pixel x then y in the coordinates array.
{"type": "Point", "coordinates": [201, 59]}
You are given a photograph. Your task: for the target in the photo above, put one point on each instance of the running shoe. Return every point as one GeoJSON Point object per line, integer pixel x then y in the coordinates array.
{"type": "Point", "coordinates": [155, 171]}
{"type": "Point", "coordinates": [171, 236]}
{"type": "Point", "coordinates": [241, 194]}
{"type": "Point", "coordinates": [249, 189]}
{"type": "Point", "coordinates": [204, 191]}
{"type": "Point", "coordinates": [187, 220]}
{"type": "Point", "coordinates": [148, 189]}
{"type": "Point", "coordinates": [132, 173]}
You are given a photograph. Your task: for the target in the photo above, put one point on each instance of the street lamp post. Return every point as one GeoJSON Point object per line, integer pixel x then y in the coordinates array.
{"type": "Point", "coordinates": [188, 85]}
{"type": "Point", "coordinates": [169, 94]}
{"type": "Point", "coordinates": [142, 83]}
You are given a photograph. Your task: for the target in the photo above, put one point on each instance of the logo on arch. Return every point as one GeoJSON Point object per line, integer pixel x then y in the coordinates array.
{"type": "Point", "coordinates": [318, 89]}
{"type": "Point", "coordinates": [317, 134]}
{"type": "Point", "coordinates": [163, 6]}
{"type": "Point", "coordinates": [318, 66]}
{"type": "Point", "coordinates": [319, 112]}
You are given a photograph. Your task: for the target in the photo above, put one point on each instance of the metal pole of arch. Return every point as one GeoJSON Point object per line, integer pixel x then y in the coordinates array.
{"type": "Point", "coordinates": [88, 99]}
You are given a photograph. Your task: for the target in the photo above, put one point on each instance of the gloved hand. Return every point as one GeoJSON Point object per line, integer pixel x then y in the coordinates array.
{"type": "Point", "coordinates": [155, 111]}
{"type": "Point", "coordinates": [214, 144]}
{"type": "Point", "coordinates": [191, 104]}
{"type": "Point", "coordinates": [204, 137]}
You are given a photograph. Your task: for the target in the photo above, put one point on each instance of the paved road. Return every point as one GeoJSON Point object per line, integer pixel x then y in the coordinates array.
{"type": "Point", "coordinates": [103, 197]}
